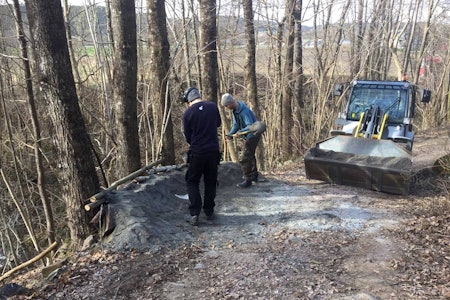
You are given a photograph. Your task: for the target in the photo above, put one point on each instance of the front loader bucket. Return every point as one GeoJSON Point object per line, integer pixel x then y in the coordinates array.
{"type": "Point", "coordinates": [379, 165]}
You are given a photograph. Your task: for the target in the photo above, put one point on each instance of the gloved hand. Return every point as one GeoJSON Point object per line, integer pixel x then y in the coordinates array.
{"type": "Point", "coordinates": [229, 137]}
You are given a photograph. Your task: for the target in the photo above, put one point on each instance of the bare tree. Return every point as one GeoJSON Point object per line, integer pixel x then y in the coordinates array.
{"type": "Point", "coordinates": [430, 115]}
{"type": "Point", "coordinates": [432, 5]}
{"type": "Point", "coordinates": [299, 77]}
{"type": "Point", "coordinates": [208, 51]}
{"type": "Point", "coordinates": [298, 53]}
{"type": "Point", "coordinates": [159, 73]}
{"type": "Point", "coordinates": [409, 34]}
{"type": "Point", "coordinates": [327, 51]}
{"type": "Point", "coordinates": [186, 42]}
{"type": "Point", "coordinates": [197, 41]}
{"type": "Point", "coordinates": [287, 81]}
{"type": "Point", "coordinates": [41, 182]}
{"type": "Point", "coordinates": [101, 72]}
{"type": "Point", "coordinates": [77, 171]}
{"type": "Point", "coordinates": [357, 38]}
{"type": "Point", "coordinates": [392, 32]}
{"type": "Point", "coordinates": [250, 56]}
{"type": "Point", "coordinates": [250, 69]}
{"type": "Point", "coordinates": [125, 86]}
{"type": "Point", "coordinates": [377, 49]}
{"type": "Point", "coordinates": [73, 59]}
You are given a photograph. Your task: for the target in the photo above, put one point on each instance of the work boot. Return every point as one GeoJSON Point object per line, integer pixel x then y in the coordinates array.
{"type": "Point", "coordinates": [194, 220]}
{"type": "Point", "coordinates": [210, 217]}
{"type": "Point", "coordinates": [254, 179]}
{"type": "Point", "coordinates": [245, 184]}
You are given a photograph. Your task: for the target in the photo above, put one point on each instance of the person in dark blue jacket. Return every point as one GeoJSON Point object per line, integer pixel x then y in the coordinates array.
{"type": "Point", "coordinates": [243, 118]}
{"type": "Point", "coordinates": [200, 123]}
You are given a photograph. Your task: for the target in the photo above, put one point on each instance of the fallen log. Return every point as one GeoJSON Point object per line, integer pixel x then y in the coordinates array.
{"type": "Point", "coordinates": [29, 262]}
{"type": "Point", "coordinates": [98, 199]}
{"type": "Point", "coordinates": [115, 184]}
{"type": "Point", "coordinates": [93, 205]}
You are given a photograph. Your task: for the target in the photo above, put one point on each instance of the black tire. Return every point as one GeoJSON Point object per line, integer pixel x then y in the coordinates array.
{"type": "Point", "coordinates": [409, 145]}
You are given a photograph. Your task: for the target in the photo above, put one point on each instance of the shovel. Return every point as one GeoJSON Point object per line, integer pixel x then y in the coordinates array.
{"type": "Point", "coordinates": [257, 128]}
{"type": "Point", "coordinates": [182, 197]}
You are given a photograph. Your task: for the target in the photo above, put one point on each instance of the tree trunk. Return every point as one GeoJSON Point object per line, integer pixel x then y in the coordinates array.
{"type": "Point", "coordinates": [208, 51]}
{"type": "Point", "coordinates": [103, 70]}
{"type": "Point", "coordinates": [41, 183]}
{"type": "Point", "coordinates": [298, 69]}
{"type": "Point", "coordinates": [286, 107]}
{"type": "Point", "coordinates": [358, 40]}
{"type": "Point", "coordinates": [125, 86]}
{"type": "Point", "coordinates": [426, 32]}
{"type": "Point", "coordinates": [250, 58]}
{"type": "Point", "coordinates": [109, 22]}
{"type": "Point", "coordinates": [73, 58]}
{"type": "Point", "coordinates": [57, 87]}
{"type": "Point", "coordinates": [196, 43]}
{"type": "Point", "coordinates": [187, 56]}
{"type": "Point", "coordinates": [250, 70]}
{"type": "Point", "coordinates": [407, 57]}
{"type": "Point", "coordinates": [298, 53]}
{"type": "Point", "coordinates": [159, 74]}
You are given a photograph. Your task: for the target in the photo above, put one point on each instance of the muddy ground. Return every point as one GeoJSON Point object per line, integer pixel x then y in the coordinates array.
{"type": "Point", "coordinates": [286, 237]}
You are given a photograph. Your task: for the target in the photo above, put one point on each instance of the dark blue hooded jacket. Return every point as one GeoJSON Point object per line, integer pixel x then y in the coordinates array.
{"type": "Point", "coordinates": [200, 123]}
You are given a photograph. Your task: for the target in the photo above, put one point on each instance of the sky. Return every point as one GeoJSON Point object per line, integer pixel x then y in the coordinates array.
{"type": "Point", "coordinates": [88, 2]}
{"type": "Point", "coordinates": [275, 8]}
{"type": "Point", "coordinates": [224, 4]}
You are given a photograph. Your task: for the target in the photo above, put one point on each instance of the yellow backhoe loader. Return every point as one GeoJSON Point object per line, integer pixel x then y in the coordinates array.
{"type": "Point", "coordinates": [372, 144]}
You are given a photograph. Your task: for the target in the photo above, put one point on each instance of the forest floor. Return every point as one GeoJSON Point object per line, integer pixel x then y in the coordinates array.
{"type": "Point", "coordinates": [285, 237]}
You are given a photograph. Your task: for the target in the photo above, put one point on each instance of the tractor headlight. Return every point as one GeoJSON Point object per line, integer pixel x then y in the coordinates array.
{"type": "Point", "coordinates": [407, 121]}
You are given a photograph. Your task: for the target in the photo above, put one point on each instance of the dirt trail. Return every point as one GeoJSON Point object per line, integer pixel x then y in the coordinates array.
{"type": "Point", "coordinates": [297, 242]}
{"type": "Point", "coordinates": [284, 238]}
{"type": "Point", "coordinates": [275, 240]}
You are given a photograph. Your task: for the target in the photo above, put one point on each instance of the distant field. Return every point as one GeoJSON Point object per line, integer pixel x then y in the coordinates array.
{"type": "Point", "coordinates": [265, 60]}
{"type": "Point", "coordinates": [233, 59]}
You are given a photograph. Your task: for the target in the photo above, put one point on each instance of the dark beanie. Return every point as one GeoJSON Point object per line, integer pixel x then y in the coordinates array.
{"type": "Point", "coordinates": [193, 94]}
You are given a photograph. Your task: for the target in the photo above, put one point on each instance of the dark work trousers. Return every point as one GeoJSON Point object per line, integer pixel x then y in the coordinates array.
{"type": "Point", "coordinates": [248, 158]}
{"type": "Point", "coordinates": [205, 164]}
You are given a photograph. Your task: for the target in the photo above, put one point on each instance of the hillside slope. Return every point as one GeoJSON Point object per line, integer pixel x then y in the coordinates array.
{"type": "Point", "coordinates": [284, 238]}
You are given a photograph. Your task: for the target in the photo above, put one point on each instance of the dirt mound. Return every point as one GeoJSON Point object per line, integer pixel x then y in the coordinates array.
{"type": "Point", "coordinates": [149, 214]}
